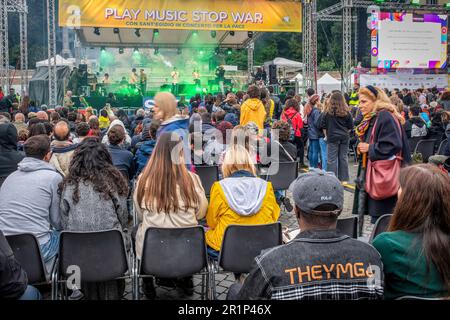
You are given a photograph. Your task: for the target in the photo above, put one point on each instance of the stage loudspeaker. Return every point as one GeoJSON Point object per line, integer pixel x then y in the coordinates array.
{"type": "Point", "coordinates": [273, 74]}
{"type": "Point", "coordinates": [83, 67]}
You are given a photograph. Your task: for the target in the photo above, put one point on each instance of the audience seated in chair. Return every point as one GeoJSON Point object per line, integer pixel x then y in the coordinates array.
{"type": "Point", "coordinates": [415, 250]}
{"type": "Point", "coordinates": [320, 263]}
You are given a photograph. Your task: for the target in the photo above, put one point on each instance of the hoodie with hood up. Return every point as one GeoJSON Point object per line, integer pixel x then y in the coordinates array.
{"type": "Point", "coordinates": [9, 156]}
{"type": "Point", "coordinates": [253, 110]}
{"type": "Point", "coordinates": [29, 200]}
{"type": "Point", "coordinates": [240, 199]}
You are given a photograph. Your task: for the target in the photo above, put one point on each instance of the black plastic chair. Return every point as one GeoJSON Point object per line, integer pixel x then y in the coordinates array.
{"type": "Point", "coordinates": [208, 175]}
{"type": "Point", "coordinates": [348, 226]}
{"type": "Point", "coordinates": [100, 256]}
{"type": "Point", "coordinates": [380, 226]}
{"type": "Point", "coordinates": [242, 243]}
{"type": "Point", "coordinates": [426, 148]}
{"type": "Point", "coordinates": [28, 253]}
{"type": "Point", "coordinates": [173, 253]}
{"type": "Point", "coordinates": [286, 174]}
{"type": "Point", "coordinates": [413, 143]}
{"type": "Point", "coordinates": [442, 147]}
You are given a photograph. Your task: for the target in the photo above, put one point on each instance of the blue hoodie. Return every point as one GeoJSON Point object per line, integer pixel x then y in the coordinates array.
{"type": "Point", "coordinates": [143, 155]}
{"type": "Point", "coordinates": [176, 123]}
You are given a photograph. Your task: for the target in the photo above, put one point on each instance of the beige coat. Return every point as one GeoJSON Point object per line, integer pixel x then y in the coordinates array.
{"type": "Point", "coordinates": [169, 219]}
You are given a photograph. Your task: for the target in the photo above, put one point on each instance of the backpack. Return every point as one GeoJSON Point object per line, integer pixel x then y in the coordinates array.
{"type": "Point", "coordinates": [417, 131]}
{"type": "Point", "coordinates": [292, 134]}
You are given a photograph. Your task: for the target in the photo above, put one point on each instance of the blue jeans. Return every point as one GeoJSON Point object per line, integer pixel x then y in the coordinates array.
{"type": "Point", "coordinates": [31, 293]}
{"type": "Point", "coordinates": [50, 249]}
{"type": "Point", "coordinates": [214, 254]}
{"type": "Point", "coordinates": [323, 153]}
{"type": "Point", "coordinates": [279, 194]}
{"type": "Point", "coordinates": [313, 153]}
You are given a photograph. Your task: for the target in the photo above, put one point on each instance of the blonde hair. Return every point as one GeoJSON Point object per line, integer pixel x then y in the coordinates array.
{"type": "Point", "coordinates": [167, 103]}
{"type": "Point", "coordinates": [237, 158]}
{"type": "Point", "coordinates": [382, 102]}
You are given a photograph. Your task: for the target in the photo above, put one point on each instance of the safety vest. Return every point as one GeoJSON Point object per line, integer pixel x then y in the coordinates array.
{"type": "Point", "coordinates": [354, 99]}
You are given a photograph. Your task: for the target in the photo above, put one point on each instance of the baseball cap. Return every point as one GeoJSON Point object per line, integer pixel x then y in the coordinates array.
{"type": "Point", "coordinates": [315, 188]}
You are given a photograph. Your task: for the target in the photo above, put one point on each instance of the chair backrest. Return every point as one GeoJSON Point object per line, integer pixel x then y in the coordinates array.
{"type": "Point", "coordinates": [282, 179]}
{"type": "Point", "coordinates": [173, 252]}
{"type": "Point", "coordinates": [442, 147]}
{"type": "Point", "coordinates": [28, 253]}
{"type": "Point", "coordinates": [348, 226]}
{"type": "Point", "coordinates": [413, 143]}
{"type": "Point", "coordinates": [242, 243]}
{"type": "Point", "coordinates": [208, 175]}
{"type": "Point", "coordinates": [426, 148]}
{"type": "Point", "coordinates": [101, 255]}
{"type": "Point", "coordinates": [380, 226]}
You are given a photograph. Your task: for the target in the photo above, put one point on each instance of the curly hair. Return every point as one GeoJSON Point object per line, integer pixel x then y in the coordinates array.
{"type": "Point", "coordinates": [92, 163]}
{"type": "Point", "coordinates": [284, 130]}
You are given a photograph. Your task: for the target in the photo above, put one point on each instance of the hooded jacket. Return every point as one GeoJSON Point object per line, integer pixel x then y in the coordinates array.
{"type": "Point", "coordinates": [143, 155]}
{"type": "Point", "coordinates": [117, 122]}
{"type": "Point", "coordinates": [177, 123]}
{"type": "Point", "coordinates": [13, 279]}
{"type": "Point", "coordinates": [252, 110]}
{"type": "Point", "coordinates": [36, 210]}
{"type": "Point", "coordinates": [62, 155]}
{"type": "Point", "coordinates": [240, 199]}
{"type": "Point", "coordinates": [294, 118]}
{"type": "Point", "coordinates": [9, 156]}
{"type": "Point", "coordinates": [413, 127]}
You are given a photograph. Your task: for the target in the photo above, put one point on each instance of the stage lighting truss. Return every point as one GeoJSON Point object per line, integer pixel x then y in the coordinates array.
{"type": "Point", "coordinates": [97, 31]}
{"type": "Point", "coordinates": [137, 32]}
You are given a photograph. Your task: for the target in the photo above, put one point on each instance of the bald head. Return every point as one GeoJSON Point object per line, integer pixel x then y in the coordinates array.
{"type": "Point", "coordinates": [61, 132]}
{"type": "Point", "coordinates": [42, 115]}
{"type": "Point", "coordinates": [19, 117]}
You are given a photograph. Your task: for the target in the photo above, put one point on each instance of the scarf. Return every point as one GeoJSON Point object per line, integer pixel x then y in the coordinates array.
{"type": "Point", "coordinates": [362, 128]}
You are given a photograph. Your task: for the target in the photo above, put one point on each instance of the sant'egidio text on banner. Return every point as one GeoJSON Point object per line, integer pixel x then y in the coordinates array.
{"type": "Point", "coordinates": [238, 15]}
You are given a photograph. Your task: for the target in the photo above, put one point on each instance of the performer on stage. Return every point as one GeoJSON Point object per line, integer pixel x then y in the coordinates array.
{"type": "Point", "coordinates": [196, 76]}
{"type": "Point", "coordinates": [133, 77]}
{"type": "Point", "coordinates": [106, 79]}
{"type": "Point", "coordinates": [143, 82]}
{"type": "Point", "coordinates": [220, 77]}
{"type": "Point", "coordinates": [175, 76]}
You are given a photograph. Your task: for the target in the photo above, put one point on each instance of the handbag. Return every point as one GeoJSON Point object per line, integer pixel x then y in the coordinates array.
{"type": "Point", "coordinates": [382, 176]}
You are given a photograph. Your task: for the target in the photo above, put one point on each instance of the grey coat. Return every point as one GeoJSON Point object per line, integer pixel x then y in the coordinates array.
{"type": "Point", "coordinates": [93, 212]}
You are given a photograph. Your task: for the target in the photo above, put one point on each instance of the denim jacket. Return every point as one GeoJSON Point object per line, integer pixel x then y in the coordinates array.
{"type": "Point", "coordinates": [316, 265]}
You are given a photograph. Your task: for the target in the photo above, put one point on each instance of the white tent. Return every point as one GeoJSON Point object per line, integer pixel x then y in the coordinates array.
{"type": "Point", "coordinates": [327, 84]}
{"type": "Point", "coordinates": [60, 61]}
{"type": "Point", "coordinates": [297, 78]}
{"type": "Point", "coordinates": [284, 63]}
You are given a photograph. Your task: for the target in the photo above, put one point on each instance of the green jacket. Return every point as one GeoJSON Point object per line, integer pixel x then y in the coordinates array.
{"type": "Point", "coordinates": [405, 268]}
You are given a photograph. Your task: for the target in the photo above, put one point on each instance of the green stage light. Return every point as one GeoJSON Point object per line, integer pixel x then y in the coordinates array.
{"type": "Point", "coordinates": [155, 32]}
{"type": "Point", "coordinates": [136, 50]}
{"type": "Point", "coordinates": [447, 5]}
{"type": "Point", "coordinates": [103, 49]}
{"type": "Point", "coordinates": [415, 2]}
{"type": "Point", "coordinates": [229, 51]}
{"type": "Point", "coordinates": [195, 33]}
{"type": "Point", "coordinates": [201, 52]}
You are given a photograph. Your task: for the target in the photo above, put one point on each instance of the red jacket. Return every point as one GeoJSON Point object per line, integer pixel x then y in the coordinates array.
{"type": "Point", "coordinates": [295, 118]}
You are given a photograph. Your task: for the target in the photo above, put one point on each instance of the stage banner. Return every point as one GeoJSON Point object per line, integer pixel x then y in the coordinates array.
{"type": "Point", "coordinates": [401, 81]}
{"type": "Point", "coordinates": [236, 15]}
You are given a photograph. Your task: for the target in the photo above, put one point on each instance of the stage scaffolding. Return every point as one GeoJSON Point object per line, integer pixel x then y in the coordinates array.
{"type": "Point", "coordinates": [342, 11]}
{"type": "Point", "coordinates": [20, 7]}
